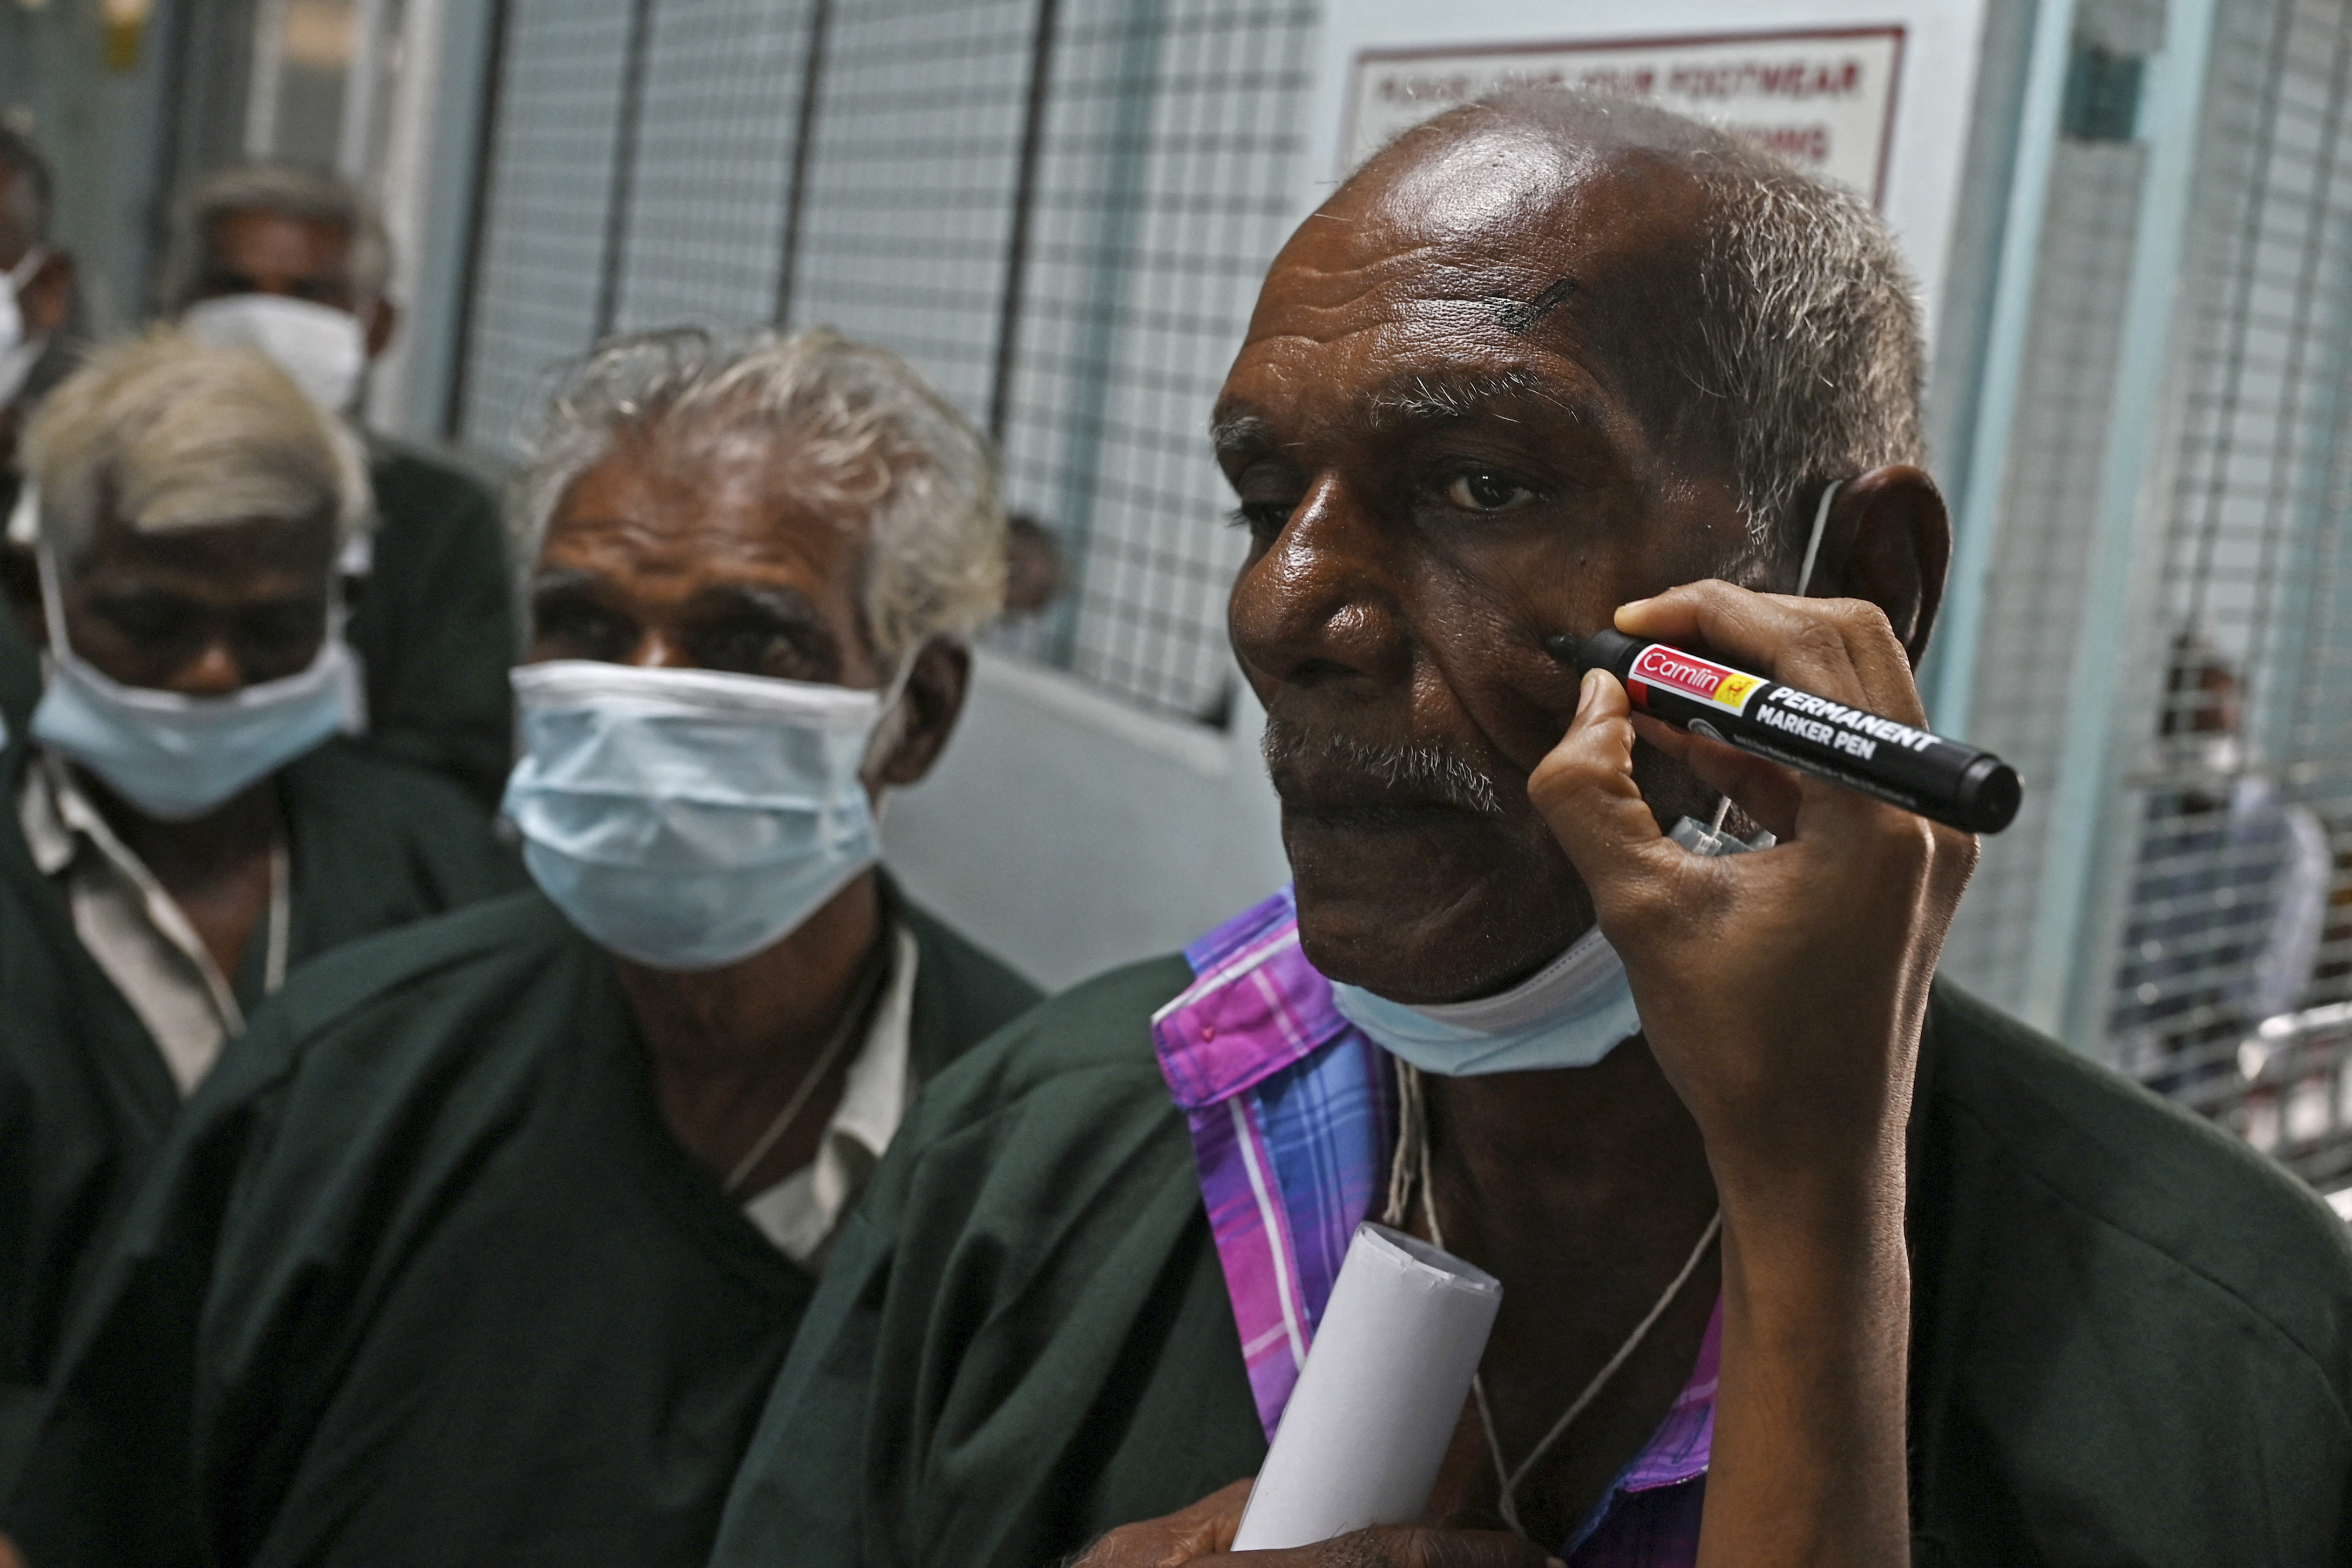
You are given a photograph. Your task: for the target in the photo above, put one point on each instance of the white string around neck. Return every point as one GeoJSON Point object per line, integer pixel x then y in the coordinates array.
{"type": "Point", "coordinates": [1408, 1168]}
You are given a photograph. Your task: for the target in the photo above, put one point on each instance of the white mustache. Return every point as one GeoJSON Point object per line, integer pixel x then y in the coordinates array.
{"type": "Point", "coordinates": [1430, 769]}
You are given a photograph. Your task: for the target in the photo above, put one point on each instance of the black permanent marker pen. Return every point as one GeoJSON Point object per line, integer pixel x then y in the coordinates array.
{"type": "Point", "coordinates": [1941, 780]}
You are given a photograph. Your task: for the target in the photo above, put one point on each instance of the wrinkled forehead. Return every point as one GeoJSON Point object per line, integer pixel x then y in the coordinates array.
{"type": "Point", "coordinates": [1500, 243]}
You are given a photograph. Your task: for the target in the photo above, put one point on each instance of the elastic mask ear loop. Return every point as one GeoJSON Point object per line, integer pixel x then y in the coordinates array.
{"type": "Point", "coordinates": [27, 265]}
{"type": "Point", "coordinates": [886, 735]}
{"type": "Point", "coordinates": [45, 560]}
{"type": "Point", "coordinates": [1804, 581]}
{"type": "Point", "coordinates": [1813, 545]}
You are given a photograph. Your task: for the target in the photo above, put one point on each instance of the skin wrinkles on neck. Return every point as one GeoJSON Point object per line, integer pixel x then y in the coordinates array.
{"type": "Point", "coordinates": [1385, 603]}
{"type": "Point", "coordinates": [682, 553]}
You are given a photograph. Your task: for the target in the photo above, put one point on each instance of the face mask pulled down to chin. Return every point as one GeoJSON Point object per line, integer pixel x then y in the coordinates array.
{"type": "Point", "coordinates": [687, 819]}
{"type": "Point", "coordinates": [175, 756]}
{"type": "Point", "coordinates": [1572, 1012]}
{"type": "Point", "coordinates": [323, 349]}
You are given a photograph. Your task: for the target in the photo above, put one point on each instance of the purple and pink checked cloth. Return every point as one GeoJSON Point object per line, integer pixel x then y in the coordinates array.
{"type": "Point", "coordinates": [1290, 1107]}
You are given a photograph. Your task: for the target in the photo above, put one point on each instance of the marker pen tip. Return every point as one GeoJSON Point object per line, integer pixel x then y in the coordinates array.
{"type": "Point", "coordinates": [1563, 647]}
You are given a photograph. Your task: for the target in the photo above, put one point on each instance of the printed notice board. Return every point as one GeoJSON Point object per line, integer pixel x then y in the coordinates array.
{"type": "Point", "coordinates": [1821, 98]}
{"type": "Point", "coordinates": [1876, 94]}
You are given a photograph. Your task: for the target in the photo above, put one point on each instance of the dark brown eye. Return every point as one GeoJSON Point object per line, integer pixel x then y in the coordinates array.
{"type": "Point", "coordinates": [1481, 492]}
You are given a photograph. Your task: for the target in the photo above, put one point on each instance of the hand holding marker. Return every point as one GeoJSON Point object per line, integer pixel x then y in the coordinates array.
{"type": "Point", "coordinates": [1940, 780]}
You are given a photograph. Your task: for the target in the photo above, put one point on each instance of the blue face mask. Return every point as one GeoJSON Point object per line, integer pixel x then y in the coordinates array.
{"type": "Point", "coordinates": [1571, 1013]}
{"type": "Point", "coordinates": [175, 756]}
{"type": "Point", "coordinates": [687, 819]}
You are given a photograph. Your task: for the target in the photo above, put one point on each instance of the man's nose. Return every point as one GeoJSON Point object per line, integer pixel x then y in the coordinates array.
{"type": "Point", "coordinates": [657, 650]}
{"type": "Point", "coordinates": [215, 672]}
{"type": "Point", "coordinates": [1322, 601]}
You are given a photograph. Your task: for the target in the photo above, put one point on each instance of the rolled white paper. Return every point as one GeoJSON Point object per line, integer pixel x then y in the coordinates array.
{"type": "Point", "coordinates": [1378, 1400]}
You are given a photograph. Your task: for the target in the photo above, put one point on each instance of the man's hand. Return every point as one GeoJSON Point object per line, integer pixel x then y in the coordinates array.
{"type": "Point", "coordinates": [1204, 1534]}
{"type": "Point", "coordinates": [1783, 994]}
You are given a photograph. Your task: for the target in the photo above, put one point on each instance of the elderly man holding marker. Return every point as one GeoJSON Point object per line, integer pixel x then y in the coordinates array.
{"type": "Point", "coordinates": [1806, 1256]}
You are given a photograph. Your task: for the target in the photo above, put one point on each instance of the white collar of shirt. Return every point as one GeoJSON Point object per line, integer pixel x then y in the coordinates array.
{"type": "Point", "coordinates": [799, 1213]}
{"type": "Point", "coordinates": [136, 931]}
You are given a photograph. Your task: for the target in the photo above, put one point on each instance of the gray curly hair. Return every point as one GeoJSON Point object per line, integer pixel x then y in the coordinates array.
{"type": "Point", "coordinates": [1802, 361]}
{"type": "Point", "coordinates": [867, 441]}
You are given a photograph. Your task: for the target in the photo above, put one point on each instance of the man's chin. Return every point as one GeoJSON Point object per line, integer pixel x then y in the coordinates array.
{"type": "Point", "coordinates": [1429, 905]}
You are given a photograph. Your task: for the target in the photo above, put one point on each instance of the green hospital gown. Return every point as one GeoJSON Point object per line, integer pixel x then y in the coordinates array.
{"type": "Point", "coordinates": [2132, 1337]}
{"type": "Point", "coordinates": [435, 622]}
{"type": "Point", "coordinates": [85, 1097]}
{"type": "Point", "coordinates": [424, 1277]}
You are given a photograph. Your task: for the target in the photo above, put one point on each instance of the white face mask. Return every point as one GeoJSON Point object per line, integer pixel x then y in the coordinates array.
{"type": "Point", "coordinates": [176, 756]}
{"type": "Point", "coordinates": [19, 352]}
{"type": "Point", "coordinates": [687, 819]}
{"type": "Point", "coordinates": [323, 349]}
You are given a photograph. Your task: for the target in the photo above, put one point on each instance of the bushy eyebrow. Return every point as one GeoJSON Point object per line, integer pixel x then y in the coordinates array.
{"type": "Point", "coordinates": [1414, 400]}
{"type": "Point", "coordinates": [1240, 434]}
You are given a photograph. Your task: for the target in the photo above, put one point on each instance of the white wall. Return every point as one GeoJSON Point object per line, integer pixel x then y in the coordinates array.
{"type": "Point", "coordinates": [1066, 832]}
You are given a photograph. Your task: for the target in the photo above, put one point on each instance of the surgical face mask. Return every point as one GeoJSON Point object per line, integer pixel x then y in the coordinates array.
{"type": "Point", "coordinates": [687, 819]}
{"type": "Point", "coordinates": [1572, 1012]}
{"type": "Point", "coordinates": [19, 352]}
{"type": "Point", "coordinates": [176, 756]}
{"type": "Point", "coordinates": [323, 349]}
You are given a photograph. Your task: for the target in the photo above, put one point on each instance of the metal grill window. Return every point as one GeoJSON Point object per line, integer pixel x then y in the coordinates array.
{"type": "Point", "coordinates": [541, 248]}
{"type": "Point", "coordinates": [1167, 182]}
{"type": "Point", "coordinates": [1059, 209]}
{"type": "Point", "coordinates": [704, 233]}
{"type": "Point", "coordinates": [2237, 951]}
{"type": "Point", "coordinates": [909, 200]}
{"type": "Point", "coordinates": [2064, 395]}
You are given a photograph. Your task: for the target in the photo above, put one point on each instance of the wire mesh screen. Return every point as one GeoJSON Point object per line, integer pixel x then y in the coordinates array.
{"type": "Point", "coordinates": [1059, 209]}
{"type": "Point", "coordinates": [543, 231]}
{"type": "Point", "coordinates": [704, 235]}
{"type": "Point", "coordinates": [1167, 182]}
{"type": "Point", "coordinates": [908, 205]}
{"type": "Point", "coordinates": [2237, 942]}
{"type": "Point", "coordinates": [2065, 393]}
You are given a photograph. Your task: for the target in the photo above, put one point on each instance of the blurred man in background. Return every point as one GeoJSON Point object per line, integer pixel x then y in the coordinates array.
{"type": "Point", "coordinates": [489, 1248]}
{"type": "Point", "coordinates": [187, 822]}
{"type": "Point", "coordinates": [37, 310]}
{"type": "Point", "coordinates": [296, 263]}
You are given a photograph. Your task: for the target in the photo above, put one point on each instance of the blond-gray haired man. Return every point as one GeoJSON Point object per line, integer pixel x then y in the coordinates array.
{"type": "Point", "coordinates": [189, 822]}
{"type": "Point", "coordinates": [491, 1249]}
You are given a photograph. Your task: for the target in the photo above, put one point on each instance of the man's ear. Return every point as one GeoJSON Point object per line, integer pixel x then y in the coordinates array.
{"type": "Point", "coordinates": [47, 298]}
{"type": "Point", "coordinates": [382, 320]}
{"type": "Point", "coordinates": [1889, 540]}
{"type": "Point", "coordinates": [932, 702]}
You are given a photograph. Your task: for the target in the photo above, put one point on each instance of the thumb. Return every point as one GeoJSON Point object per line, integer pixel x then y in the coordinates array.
{"type": "Point", "coordinates": [1584, 790]}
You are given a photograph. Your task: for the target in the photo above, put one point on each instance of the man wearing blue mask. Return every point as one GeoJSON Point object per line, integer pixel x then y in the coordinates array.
{"type": "Point", "coordinates": [297, 265]}
{"type": "Point", "coordinates": [1805, 1258]}
{"type": "Point", "coordinates": [490, 1247]}
{"type": "Point", "coordinates": [187, 821]}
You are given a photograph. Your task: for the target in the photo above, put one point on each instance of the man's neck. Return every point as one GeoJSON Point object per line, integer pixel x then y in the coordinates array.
{"type": "Point", "coordinates": [729, 1045]}
{"type": "Point", "coordinates": [1583, 1191]}
{"type": "Point", "coordinates": [217, 867]}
